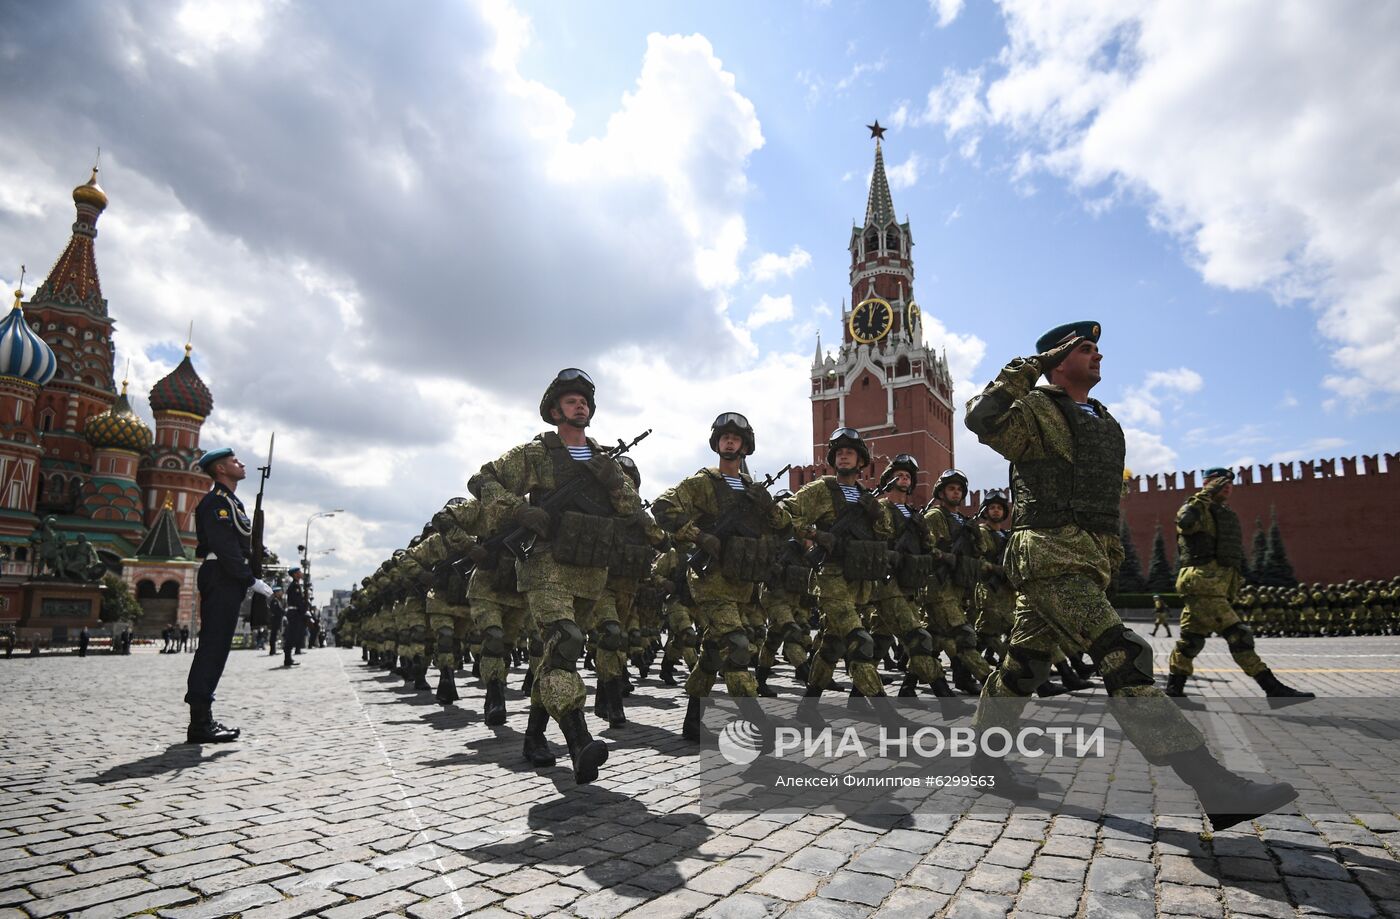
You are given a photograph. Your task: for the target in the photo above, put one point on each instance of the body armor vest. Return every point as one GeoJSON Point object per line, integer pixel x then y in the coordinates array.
{"type": "Point", "coordinates": [1225, 545]}
{"type": "Point", "coordinates": [748, 549]}
{"type": "Point", "coordinates": [997, 555]}
{"type": "Point", "coordinates": [915, 566]}
{"type": "Point", "coordinates": [1085, 490]}
{"type": "Point", "coordinates": [631, 551]}
{"type": "Point", "coordinates": [862, 555]}
{"type": "Point", "coordinates": [582, 535]}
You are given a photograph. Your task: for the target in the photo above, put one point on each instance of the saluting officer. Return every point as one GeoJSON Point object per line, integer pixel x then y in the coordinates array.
{"type": "Point", "coordinates": [224, 535]}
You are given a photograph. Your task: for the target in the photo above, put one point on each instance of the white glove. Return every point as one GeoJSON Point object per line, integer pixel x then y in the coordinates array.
{"type": "Point", "coordinates": [261, 589]}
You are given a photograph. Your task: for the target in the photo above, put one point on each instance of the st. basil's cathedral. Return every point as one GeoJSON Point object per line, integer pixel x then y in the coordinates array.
{"type": "Point", "coordinates": [73, 451]}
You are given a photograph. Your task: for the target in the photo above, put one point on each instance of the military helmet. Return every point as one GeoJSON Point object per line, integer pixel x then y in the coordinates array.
{"type": "Point", "coordinates": [996, 496]}
{"type": "Point", "coordinates": [398, 554]}
{"type": "Point", "coordinates": [904, 462]}
{"type": "Point", "coordinates": [415, 541]}
{"type": "Point", "coordinates": [629, 466]}
{"type": "Point", "coordinates": [453, 502]}
{"type": "Point", "coordinates": [568, 380]}
{"type": "Point", "coordinates": [846, 437]}
{"type": "Point", "coordinates": [733, 423]}
{"type": "Point", "coordinates": [949, 476]}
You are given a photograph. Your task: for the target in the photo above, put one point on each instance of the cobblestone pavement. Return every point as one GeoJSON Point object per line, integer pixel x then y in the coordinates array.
{"type": "Point", "coordinates": [350, 796]}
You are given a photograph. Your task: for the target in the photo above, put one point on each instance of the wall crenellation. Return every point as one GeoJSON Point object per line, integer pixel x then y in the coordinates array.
{"type": "Point", "coordinates": [1300, 471]}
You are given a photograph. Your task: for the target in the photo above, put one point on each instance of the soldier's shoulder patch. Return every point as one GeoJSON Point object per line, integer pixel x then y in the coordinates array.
{"type": "Point", "coordinates": [223, 513]}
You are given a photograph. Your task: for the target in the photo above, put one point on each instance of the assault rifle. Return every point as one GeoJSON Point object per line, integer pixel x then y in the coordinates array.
{"type": "Point", "coordinates": [520, 541]}
{"type": "Point", "coordinates": [257, 611]}
{"type": "Point", "coordinates": [844, 521]}
{"type": "Point", "coordinates": [701, 561]}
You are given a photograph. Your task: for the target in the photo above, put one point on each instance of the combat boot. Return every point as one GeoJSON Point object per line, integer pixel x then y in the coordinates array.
{"type": "Point", "coordinates": [1082, 666]}
{"type": "Point", "coordinates": [809, 709]}
{"type": "Point", "coordinates": [909, 689]}
{"type": "Point", "coordinates": [420, 675]}
{"type": "Point", "coordinates": [1176, 685]}
{"type": "Point", "coordinates": [204, 729]}
{"type": "Point", "coordinates": [536, 751]}
{"type": "Point", "coordinates": [446, 687]}
{"type": "Point", "coordinates": [586, 753]}
{"type": "Point", "coordinates": [856, 701]}
{"type": "Point", "coordinates": [642, 661]}
{"type": "Point", "coordinates": [668, 673]}
{"type": "Point", "coordinates": [1228, 798]}
{"type": "Point", "coordinates": [476, 667]}
{"type": "Point", "coordinates": [617, 718]}
{"type": "Point", "coordinates": [1073, 682]}
{"type": "Point", "coordinates": [942, 690]}
{"type": "Point", "coordinates": [588, 662]}
{"type": "Point", "coordinates": [1049, 689]}
{"type": "Point", "coordinates": [693, 728]}
{"type": "Point", "coordinates": [964, 680]}
{"type": "Point", "coordinates": [528, 683]}
{"type": "Point", "coordinates": [761, 674]}
{"type": "Point", "coordinates": [803, 672]}
{"type": "Point", "coordinates": [602, 702]}
{"type": "Point", "coordinates": [1277, 690]}
{"type": "Point", "coordinates": [752, 712]}
{"type": "Point", "coordinates": [495, 709]}
{"type": "Point", "coordinates": [1005, 784]}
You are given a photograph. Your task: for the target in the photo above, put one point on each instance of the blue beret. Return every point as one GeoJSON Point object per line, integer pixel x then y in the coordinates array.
{"type": "Point", "coordinates": [213, 456]}
{"type": "Point", "coordinates": [295, 569]}
{"type": "Point", "coordinates": [1218, 472]}
{"type": "Point", "coordinates": [1087, 328]}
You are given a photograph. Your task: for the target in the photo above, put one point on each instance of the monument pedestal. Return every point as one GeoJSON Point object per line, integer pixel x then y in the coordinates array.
{"type": "Point", "coordinates": [61, 607]}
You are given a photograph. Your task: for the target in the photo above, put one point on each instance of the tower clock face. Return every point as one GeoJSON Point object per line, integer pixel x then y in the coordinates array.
{"type": "Point", "coordinates": [911, 317]}
{"type": "Point", "coordinates": [871, 320]}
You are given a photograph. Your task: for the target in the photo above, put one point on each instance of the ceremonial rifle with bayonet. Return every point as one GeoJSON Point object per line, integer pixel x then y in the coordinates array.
{"type": "Point", "coordinates": [520, 541]}
{"type": "Point", "coordinates": [257, 611]}
{"type": "Point", "coordinates": [727, 525]}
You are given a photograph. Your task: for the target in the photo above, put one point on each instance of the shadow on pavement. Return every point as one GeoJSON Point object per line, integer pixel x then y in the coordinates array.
{"type": "Point", "coordinates": [175, 758]}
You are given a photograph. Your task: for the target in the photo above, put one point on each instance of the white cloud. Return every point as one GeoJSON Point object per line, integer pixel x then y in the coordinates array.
{"type": "Point", "coordinates": [1317, 448]}
{"type": "Point", "coordinates": [769, 310]}
{"type": "Point", "coordinates": [899, 117]}
{"type": "Point", "coordinates": [947, 11]}
{"type": "Point", "coordinates": [1255, 135]}
{"type": "Point", "coordinates": [1147, 452]}
{"type": "Point", "coordinates": [906, 174]}
{"type": "Point", "coordinates": [770, 265]}
{"type": "Point", "coordinates": [1143, 404]}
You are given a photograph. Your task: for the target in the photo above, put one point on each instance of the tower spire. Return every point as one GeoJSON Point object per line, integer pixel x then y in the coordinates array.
{"type": "Point", "coordinates": [879, 207]}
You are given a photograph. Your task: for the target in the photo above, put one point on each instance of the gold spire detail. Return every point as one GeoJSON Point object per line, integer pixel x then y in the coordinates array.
{"type": "Point", "coordinates": [189, 340]}
{"type": "Point", "coordinates": [19, 289]}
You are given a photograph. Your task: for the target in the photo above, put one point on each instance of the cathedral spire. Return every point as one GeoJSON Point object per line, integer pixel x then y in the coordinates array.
{"type": "Point", "coordinates": [73, 279]}
{"type": "Point", "coordinates": [879, 207]}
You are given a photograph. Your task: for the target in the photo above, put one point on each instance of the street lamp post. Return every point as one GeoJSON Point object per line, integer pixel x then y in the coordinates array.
{"type": "Point", "coordinates": [306, 548]}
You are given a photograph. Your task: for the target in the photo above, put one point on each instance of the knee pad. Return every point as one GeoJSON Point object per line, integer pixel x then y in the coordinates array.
{"type": "Point", "coordinates": [493, 641]}
{"type": "Point", "coordinates": [611, 637]}
{"type": "Point", "coordinates": [1024, 669]}
{"type": "Point", "coordinates": [565, 644]}
{"type": "Point", "coordinates": [1190, 644]}
{"type": "Point", "coordinates": [965, 638]}
{"type": "Point", "coordinates": [1135, 666]}
{"type": "Point", "coordinates": [918, 642]}
{"type": "Point", "coordinates": [860, 646]}
{"type": "Point", "coordinates": [1239, 638]}
{"type": "Point", "coordinates": [446, 640]}
{"type": "Point", "coordinates": [736, 651]}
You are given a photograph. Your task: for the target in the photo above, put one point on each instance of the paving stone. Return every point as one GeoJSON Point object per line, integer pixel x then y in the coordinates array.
{"type": "Point", "coordinates": [1099, 905]}
{"type": "Point", "coordinates": [995, 879]}
{"type": "Point", "coordinates": [1255, 899]}
{"type": "Point", "coordinates": [1201, 902]}
{"type": "Point", "coordinates": [389, 901]}
{"type": "Point", "coordinates": [141, 903]}
{"type": "Point", "coordinates": [857, 888]}
{"type": "Point", "coordinates": [786, 884]}
{"type": "Point", "coordinates": [257, 874]}
{"type": "Point", "coordinates": [890, 863]}
{"type": "Point", "coordinates": [463, 902]}
{"type": "Point", "coordinates": [744, 906]}
{"type": "Point", "coordinates": [541, 901]}
{"type": "Point", "coordinates": [1306, 863]}
{"type": "Point", "coordinates": [818, 908]}
{"type": "Point", "coordinates": [1056, 898]}
{"type": "Point", "coordinates": [228, 903]}
{"type": "Point", "coordinates": [1319, 897]}
{"type": "Point", "coordinates": [1178, 869]}
{"type": "Point", "coordinates": [325, 877]}
{"type": "Point", "coordinates": [821, 862]}
{"type": "Point", "coordinates": [1057, 868]}
{"type": "Point", "coordinates": [977, 905]}
{"type": "Point", "coordinates": [1117, 877]}
{"type": "Point", "coordinates": [303, 904]}
{"type": "Point", "coordinates": [912, 903]}
{"type": "Point", "coordinates": [77, 900]}
{"type": "Point", "coordinates": [932, 877]}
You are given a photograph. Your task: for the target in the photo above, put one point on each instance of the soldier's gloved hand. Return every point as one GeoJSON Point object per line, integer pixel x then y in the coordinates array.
{"type": "Point", "coordinates": [606, 470]}
{"type": "Point", "coordinates": [1213, 486]}
{"type": "Point", "coordinates": [824, 539]}
{"type": "Point", "coordinates": [760, 496]}
{"type": "Point", "coordinates": [1049, 360]}
{"type": "Point", "coordinates": [532, 518]}
{"type": "Point", "coordinates": [709, 544]}
{"type": "Point", "coordinates": [261, 589]}
{"type": "Point", "coordinates": [871, 505]}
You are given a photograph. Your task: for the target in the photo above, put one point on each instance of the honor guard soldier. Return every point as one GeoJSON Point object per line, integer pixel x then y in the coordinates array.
{"type": "Point", "coordinates": [1211, 548]}
{"type": "Point", "coordinates": [297, 614]}
{"type": "Point", "coordinates": [564, 576]}
{"type": "Point", "coordinates": [224, 535]}
{"type": "Point", "coordinates": [1066, 454]}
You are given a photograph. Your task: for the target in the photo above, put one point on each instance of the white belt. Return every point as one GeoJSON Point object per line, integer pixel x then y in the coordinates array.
{"type": "Point", "coordinates": [211, 557]}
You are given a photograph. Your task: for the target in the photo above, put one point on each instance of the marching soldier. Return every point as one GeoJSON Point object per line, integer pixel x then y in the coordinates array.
{"type": "Point", "coordinates": [850, 525]}
{"type": "Point", "coordinates": [1159, 615]}
{"type": "Point", "coordinates": [996, 600]}
{"type": "Point", "coordinates": [565, 575]}
{"type": "Point", "coordinates": [960, 569]}
{"type": "Point", "coordinates": [1211, 546]}
{"type": "Point", "coordinates": [1066, 454]}
{"type": "Point", "coordinates": [224, 534]}
{"type": "Point", "coordinates": [733, 521]}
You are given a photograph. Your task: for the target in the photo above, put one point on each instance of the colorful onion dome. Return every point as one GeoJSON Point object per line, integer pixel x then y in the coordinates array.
{"type": "Point", "coordinates": [118, 428]}
{"type": "Point", "coordinates": [23, 354]}
{"type": "Point", "coordinates": [182, 390]}
{"type": "Point", "coordinates": [91, 193]}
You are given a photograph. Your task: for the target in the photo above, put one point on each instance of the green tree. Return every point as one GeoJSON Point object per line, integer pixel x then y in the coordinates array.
{"type": "Point", "coordinates": [1130, 579]}
{"type": "Point", "coordinates": [118, 605]}
{"type": "Point", "coordinates": [1160, 578]}
{"type": "Point", "coordinates": [1260, 551]}
{"type": "Point", "coordinates": [1278, 571]}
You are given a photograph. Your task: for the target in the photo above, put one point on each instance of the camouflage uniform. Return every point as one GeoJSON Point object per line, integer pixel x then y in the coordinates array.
{"type": "Point", "coordinates": [783, 595]}
{"type": "Point", "coordinates": [995, 598]}
{"type": "Point", "coordinates": [897, 600]}
{"type": "Point", "coordinates": [948, 592]}
{"type": "Point", "coordinates": [1063, 554]}
{"type": "Point", "coordinates": [843, 634]}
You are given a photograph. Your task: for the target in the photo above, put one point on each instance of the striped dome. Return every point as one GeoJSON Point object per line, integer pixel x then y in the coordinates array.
{"type": "Point", "coordinates": [23, 354]}
{"type": "Point", "coordinates": [118, 428]}
{"type": "Point", "coordinates": [181, 390]}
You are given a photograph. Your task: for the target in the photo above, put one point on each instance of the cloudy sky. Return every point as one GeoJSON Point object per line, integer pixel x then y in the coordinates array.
{"type": "Point", "coordinates": [392, 223]}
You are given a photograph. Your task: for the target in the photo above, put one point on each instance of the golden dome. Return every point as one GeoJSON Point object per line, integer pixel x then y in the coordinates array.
{"type": "Point", "coordinates": [91, 193]}
{"type": "Point", "coordinates": [118, 428]}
